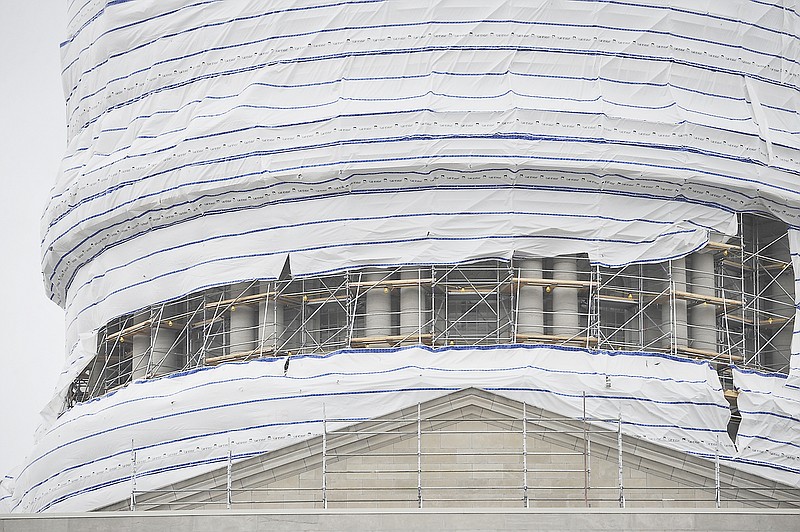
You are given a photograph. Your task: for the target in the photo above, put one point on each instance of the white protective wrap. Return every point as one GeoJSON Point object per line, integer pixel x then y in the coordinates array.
{"type": "Point", "coordinates": [768, 440]}
{"type": "Point", "coordinates": [213, 141]}
{"type": "Point", "coordinates": [794, 362]}
{"type": "Point", "coordinates": [210, 141]}
{"type": "Point", "coordinates": [180, 425]}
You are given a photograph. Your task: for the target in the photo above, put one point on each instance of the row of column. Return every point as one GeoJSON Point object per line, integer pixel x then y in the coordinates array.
{"type": "Point", "coordinates": [253, 327]}
{"type": "Point", "coordinates": [678, 324]}
{"type": "Point", "coordinates": [681, 325]}
{"type": "Point", "coordinates": [378, 306]}
{"type": "Point", "coordinates": [414, 312]}
{"type": "Point", "coordinates": [252, 324]}
{"type": "Point", "coordinates": [565, 316]}
{"type": "Point", "coordinates": [154, 348]}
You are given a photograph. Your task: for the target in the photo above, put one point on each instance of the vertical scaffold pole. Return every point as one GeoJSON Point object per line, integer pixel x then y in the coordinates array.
{"type": "Point", "coordinates": [133, 477]}
{"type": "Point", "coordinates": [419, 307]}
{"type": "Point", "coordinates": [717, 486]}
{"type": "Point", "coordinates": [594, 325]}
{"type": "Point", "coordinates": [525, 455]}
{"type": "Point", "coordinates": [743, 307]}
{"type": "Point", "coordinates": [585, 456]}
{"type": "Point", "coordinates": [673, 342]}
{"type": "Point", "coordinates": [619, 463]}
{"type": "Point", "coordinates": [229, 497]}
{"type": "Point", "coordinates": [324, 460]}
{"type": "Point", "coordinates": [589, 461]}
{"type": "Point", "coordinates": [432, 324]}
{"type": "Point", "coordinates": [419, 456]}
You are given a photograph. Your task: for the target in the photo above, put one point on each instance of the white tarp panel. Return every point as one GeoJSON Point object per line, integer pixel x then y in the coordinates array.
{"type": "Point", "coordinates": [768, 441]}
{"type": "Point", "coordinates": [180, 425]}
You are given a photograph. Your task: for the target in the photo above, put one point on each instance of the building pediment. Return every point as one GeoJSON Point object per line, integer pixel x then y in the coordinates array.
{"type": "Point", "coordinates": [466, 449]}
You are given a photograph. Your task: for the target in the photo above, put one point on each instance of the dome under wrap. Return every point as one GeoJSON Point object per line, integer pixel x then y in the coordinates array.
{"type": "Point", "coordinates": [217, 142]}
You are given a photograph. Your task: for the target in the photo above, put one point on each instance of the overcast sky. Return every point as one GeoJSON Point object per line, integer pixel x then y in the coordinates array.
{"type": "Point", "coordinates": [32, 142]}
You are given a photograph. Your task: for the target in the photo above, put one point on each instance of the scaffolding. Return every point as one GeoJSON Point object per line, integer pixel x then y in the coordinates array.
{"type": "Point", "coordinates": [729, 303]}
{"type": "Point", "coordinates": [528, 459]}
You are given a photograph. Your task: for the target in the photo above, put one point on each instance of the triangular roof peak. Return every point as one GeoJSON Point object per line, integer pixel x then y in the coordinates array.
{"type": "Point", "coordinates": [481, 434]}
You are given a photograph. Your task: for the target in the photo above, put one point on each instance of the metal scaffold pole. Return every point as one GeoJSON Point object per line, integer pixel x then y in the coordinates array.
{"type": "Point", "coordinates": [619, 463]}
{"type": "Point", "coordinates": [525, 455]}
{"type": "Point", "coordinates": [133, 477]}
{"type": "Point", "coordinates": [585, 456]}
{"type": "Point", "coordinates": [229, 496]}
{"type": "Point", "coordinates": [419, 455]}
{"type": "Point", "coordinates": [717, 486]}
{"type": "Point", "coordinates": [324, 460]}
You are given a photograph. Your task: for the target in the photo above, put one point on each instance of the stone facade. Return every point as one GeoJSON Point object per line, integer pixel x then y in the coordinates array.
{"type": "Point", "coordinates": [471, 456]}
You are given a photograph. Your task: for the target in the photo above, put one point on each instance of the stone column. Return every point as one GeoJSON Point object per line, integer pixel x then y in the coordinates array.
{"type": "Point", "coordinates": [141, 347]}
{"type": "Point", "coordinates": [270, 318]}
{"type": "Point", "coordinates": [653, 285]}
{"type": "Point", "coordinates": [164, 356]}
{"type": "Point", "coordinates": [243, 335]}
{"type": "Point", "coordinates": [530, 305]}
{"type": "Point", "coordinates": [378, 320]}
{"type": "Point", "coordinates": [413, 307]}
{"type": "Point", "coordinates": [674, 315]}
{"type": "Point", "coordinates": [566, 321]}
{"type": "Point", "coordinates": [704, 315]}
